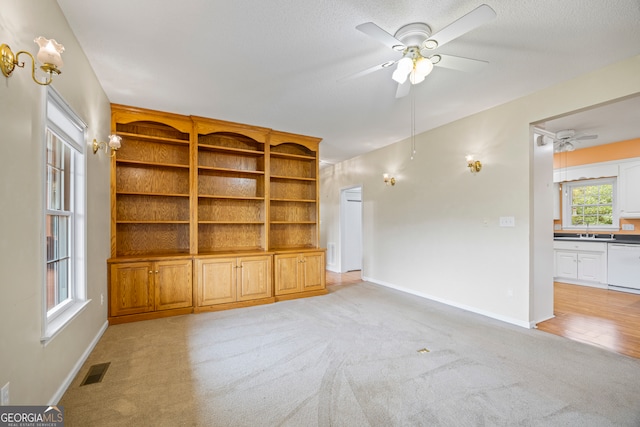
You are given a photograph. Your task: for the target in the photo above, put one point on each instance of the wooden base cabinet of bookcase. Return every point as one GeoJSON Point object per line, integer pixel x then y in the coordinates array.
{"type": "Point", "coordinates": [150, 289]}
{"type": "Point", "coordinates": [299, 274]}
{"type": "Point", "coordinates": [231, 282]}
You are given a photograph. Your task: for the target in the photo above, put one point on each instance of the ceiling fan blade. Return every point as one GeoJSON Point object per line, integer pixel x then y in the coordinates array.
{"type": "Point", "coordinates": [367, 71]}
{"type": "Point", "coordinates": [403, 89]}
{"type": "Point", "coordinates": [583, 137]}
{"type": "Point", "coordinates": [460, 63]}
{"type": "Point", "coordinates": [472, 20]}
{"type": "Point", "coordinates": [372, 30]}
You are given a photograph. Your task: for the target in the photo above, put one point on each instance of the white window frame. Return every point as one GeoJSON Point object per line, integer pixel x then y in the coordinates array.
{"type": "Point", "coordinates": [65, 124]}
{"type": "Point", "coordinates": [566, 203]}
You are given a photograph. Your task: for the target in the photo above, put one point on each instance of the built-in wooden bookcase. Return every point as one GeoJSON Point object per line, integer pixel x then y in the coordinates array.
{"type": "Point", "coordinates": [293, 221]}
{"type": "Point", "coordinates": [231, 207]}
{"type": "Point", "coordinates": [150, 188]}
{"type": "Point", "coordinates": [200, 210]}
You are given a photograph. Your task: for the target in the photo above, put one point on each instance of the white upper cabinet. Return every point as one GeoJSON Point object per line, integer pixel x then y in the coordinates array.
{"type": "Point", "coordinates": [629, 190]}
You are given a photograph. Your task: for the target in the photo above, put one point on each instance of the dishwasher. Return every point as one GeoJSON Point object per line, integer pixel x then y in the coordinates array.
{"type": "Point", "coordinates": [623, 267]}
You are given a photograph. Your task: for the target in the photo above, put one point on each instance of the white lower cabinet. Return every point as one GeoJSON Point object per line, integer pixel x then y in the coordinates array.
{"type": "Point", "coordinates": [582, 263]}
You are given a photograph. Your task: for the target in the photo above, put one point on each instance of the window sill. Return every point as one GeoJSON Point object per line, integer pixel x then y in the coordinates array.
{"type": "Point", "coordinates": [53, 328]}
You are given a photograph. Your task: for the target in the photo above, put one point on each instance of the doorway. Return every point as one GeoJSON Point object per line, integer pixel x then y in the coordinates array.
{"type": "Point", "coordinates": [351, 229]}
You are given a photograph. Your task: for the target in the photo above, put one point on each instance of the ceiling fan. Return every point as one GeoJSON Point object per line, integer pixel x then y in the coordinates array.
{"type": "Point", "coordinates": [416, 43]}
{"type": "Point", "coordinates": [563, 140]}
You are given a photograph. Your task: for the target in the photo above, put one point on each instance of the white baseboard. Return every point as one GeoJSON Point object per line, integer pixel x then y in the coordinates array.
{"type": "Point", "coordinates": [76, 368]}
{"type": "Point", "coordinates": [452, 303]}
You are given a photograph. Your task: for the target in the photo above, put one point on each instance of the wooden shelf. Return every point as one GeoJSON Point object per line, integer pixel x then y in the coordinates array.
{"type": "Point", "coordinates": [294, 200]}
{"type": "Point", "coordinates": [212, 196]}
{"type": "Point", "coordinates": [152, 222]}
{"type": "Point", "coordinates": [232, 222]}
{"type": "Point", "coordinates": [292, 156]}
{"type": "Point", "coordinates": [293, 178]}
{"type": "Point", "coordinates": [240, 151]}
{"type": "Point", "coordinates": [150, 164]}
{"type": "Point", "coordinates": [293, 222]}
{"type": "Point", "coordinates": [229, 171]}
{"type": "Point", "coordinates": [154, 138]}
{"type": "Point", "coordinates": [140, 193]}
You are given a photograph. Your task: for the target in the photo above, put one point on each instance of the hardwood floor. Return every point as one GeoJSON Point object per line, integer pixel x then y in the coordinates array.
{"type": "Point", "coordinates": [343, 278]}
{"type": "Point", "coordinates": [601, 317]}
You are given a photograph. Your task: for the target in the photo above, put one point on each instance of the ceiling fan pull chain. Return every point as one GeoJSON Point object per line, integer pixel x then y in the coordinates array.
{"type": "Point", "coordinates": [413, 124]}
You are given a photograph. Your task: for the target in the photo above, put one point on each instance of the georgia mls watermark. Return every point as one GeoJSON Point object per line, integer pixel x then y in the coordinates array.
{"type": "Point", "coordinates": [31, 416]}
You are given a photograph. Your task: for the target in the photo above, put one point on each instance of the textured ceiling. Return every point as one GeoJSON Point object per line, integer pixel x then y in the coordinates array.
{"type": "Point", "coordinates": [279, 63]}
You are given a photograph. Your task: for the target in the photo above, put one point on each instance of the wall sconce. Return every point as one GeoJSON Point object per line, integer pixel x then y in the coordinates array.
{"type": "Point", "coordinates": [474, 165]}
{"type": "Point", "coordinates": [115, 142]}
{"type": "Point", "coordinates": [389, 180]}
{"type": "Point", "coordinates": [49, 56]}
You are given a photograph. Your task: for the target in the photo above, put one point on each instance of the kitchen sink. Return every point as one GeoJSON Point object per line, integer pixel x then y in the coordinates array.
{"type": "Point", "coordinates": [590, 239]}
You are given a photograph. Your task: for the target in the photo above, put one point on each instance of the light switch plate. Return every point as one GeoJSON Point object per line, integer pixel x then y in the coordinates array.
{"type": "Point", "coordinates": [628, 227]}
{"type": "Point", "coordinates": [507, 221]}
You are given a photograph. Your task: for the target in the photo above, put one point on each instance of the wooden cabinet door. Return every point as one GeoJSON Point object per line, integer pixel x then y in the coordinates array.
{"type": "Point", "coordinates": [131, 288]}
{"type": "Point", "coordinates": [173, 287]}
{"type": "Point", "coordinates": [313, 271]}
{"type": "Point", "coordinates": [566, 265]}
{"type": "Point", "coordinates": [286, 274]}
{"type": "Point", "coordinates": [216, 281]}
{"type": "Point", "coordinates": [254, 278]}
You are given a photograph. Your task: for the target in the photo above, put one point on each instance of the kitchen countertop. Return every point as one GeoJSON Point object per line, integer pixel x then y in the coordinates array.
{"type": "Point", "coordinates": [605, 238]}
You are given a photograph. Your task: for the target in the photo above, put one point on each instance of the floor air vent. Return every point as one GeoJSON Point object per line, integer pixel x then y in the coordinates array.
{"type": "Point", "coordinates": [95, 374]}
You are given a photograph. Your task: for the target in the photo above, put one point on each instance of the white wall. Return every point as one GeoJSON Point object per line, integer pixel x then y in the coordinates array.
{"type": "Point", "coordinates": [38, 373]}
{"type": "Point", "coordinates": [436, 234]}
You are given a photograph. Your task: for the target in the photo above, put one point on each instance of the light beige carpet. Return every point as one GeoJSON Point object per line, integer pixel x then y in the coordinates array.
{"type": "Point", "coordinates": [350, 358]}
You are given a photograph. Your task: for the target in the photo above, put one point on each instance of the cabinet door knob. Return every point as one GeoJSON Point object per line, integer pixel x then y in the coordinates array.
{"type": "Point", "coordinates": [150, 272]}
{"type": "Point", "coordinates": [156, 271]}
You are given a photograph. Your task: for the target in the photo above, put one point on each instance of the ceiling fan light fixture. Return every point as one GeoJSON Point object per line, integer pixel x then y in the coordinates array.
{"type": "Point", "coordinates": [424, 66]}
{"type": "Point", "coordinates": [399, 76]}
{"type": "Point", "coordinates": [415, 77]}
{"type": "Point", "coordinates": [405, 65]}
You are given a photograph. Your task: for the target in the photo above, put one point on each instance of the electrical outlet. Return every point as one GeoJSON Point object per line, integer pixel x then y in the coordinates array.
{"type": "Point", "coordinates": [507, 221]}
{"type": "Point", "coordinates": [101, 299]}
{"type": "Point", "coordinates": [4, 395]}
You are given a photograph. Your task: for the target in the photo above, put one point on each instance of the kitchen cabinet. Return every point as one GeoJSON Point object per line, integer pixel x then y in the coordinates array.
{"type": "Point", "coordinates": [582, 263]}
{"type": "Point", "coordinates": [148, 286]}
{"type": "Point", "coordinates": [229, 280]}
{"type": "Point", "coordinates": [299, 273]}
{"type": "Point", "coordinates": [629, 190]}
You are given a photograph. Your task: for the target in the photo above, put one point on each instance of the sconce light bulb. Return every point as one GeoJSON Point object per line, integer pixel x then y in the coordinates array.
{"type": "Point", "coordinates": [115, 142]}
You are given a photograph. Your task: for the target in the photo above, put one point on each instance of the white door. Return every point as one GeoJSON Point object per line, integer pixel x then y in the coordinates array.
{"type": "Point", "coordinates": [351, 229]}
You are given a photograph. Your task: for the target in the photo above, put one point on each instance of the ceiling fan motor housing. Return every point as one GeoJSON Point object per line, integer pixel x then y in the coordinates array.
{"type": "Point", "coordinates": [565, 134]}
{"type": "Point", "coordinates": [413, 34]}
